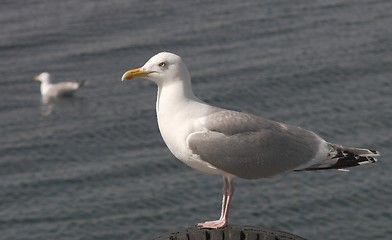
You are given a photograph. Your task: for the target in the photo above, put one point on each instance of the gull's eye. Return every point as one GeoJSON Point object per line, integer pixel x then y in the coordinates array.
{"type": "Point", "coordinates": [162, 64]}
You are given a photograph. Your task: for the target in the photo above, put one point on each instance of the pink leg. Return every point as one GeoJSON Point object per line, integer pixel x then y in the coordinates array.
{"type": "Point", "coordinates": [228, 191]}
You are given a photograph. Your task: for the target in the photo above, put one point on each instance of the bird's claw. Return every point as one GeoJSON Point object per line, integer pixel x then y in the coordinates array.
{"type": "Point", "coordinates": [213, 224]}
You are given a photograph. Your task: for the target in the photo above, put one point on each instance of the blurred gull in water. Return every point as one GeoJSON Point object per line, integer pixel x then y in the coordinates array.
{"type": "Point", "coordinates": [52, 90]}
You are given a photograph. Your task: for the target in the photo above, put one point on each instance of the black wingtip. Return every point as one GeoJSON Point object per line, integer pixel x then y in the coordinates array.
{"type": "Point", "coordinates": [348, 157]}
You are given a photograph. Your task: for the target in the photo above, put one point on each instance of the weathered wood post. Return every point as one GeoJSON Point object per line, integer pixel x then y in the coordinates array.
{"type": "Point", "coordinates": [234, 232]}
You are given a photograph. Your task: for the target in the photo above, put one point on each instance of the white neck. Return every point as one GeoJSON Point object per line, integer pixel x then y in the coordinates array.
{"type": "Point", "coordinates": [174, 94]}
{"type": "Point", "coordinates": [177, 109]}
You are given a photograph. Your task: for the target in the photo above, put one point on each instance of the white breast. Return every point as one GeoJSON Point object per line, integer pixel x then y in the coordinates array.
{"type": "Point", "coordinates": [176, 122]}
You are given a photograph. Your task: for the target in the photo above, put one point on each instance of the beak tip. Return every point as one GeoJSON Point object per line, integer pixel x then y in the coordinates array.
{"type": "Point", "coordinates": [125, 77]}
{"type": "Point", "coordinates": [134, 73]}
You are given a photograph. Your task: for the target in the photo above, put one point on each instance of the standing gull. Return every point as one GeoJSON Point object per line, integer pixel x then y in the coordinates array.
{"type": "Point", "coordinates": [49, 90]}
{"type": "Point", "coordinates": [230, 143]}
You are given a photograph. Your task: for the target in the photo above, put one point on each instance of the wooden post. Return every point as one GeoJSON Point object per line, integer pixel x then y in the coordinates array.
{"type": "Point", "coordinates": [232, 232]}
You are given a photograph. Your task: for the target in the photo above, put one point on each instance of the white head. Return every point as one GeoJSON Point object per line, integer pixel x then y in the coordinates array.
{"type": "Point", "coordinates": [43, 77]}
{"type": "Point", "coordinates": [163, 68]}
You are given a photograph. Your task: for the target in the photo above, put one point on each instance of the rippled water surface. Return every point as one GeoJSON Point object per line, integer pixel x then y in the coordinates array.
{"type": "Point", "coordinates": [95, 166]}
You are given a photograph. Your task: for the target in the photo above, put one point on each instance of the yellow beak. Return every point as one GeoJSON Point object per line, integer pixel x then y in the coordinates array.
{"type": "Point", "coordinates": [134, 73]}
{"type": "Point", "coordinates": [36, 78]}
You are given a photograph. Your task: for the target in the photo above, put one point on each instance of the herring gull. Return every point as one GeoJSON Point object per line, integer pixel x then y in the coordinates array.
{"type": "Point", "coordinates": [231, 143]}
{"type": "Point", "coordinates": [50, 90]}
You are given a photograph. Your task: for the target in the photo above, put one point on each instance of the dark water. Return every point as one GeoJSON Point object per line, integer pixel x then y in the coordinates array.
{"type": "Point", "coordinates": [95, 167]}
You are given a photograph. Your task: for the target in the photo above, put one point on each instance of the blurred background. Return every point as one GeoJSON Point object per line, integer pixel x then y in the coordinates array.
{"type": "Point", "coordinates": [95, 167]}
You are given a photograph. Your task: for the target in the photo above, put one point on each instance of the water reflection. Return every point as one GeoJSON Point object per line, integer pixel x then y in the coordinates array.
{"type": "Point", "coordinates": [50, 104]}
{"type": "Point", "coordinates": [46, 106]}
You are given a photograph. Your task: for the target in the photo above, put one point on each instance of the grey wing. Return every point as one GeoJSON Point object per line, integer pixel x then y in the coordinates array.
{"type": "Point", "coordinates": [65, 88]}
{"type": "Point", "coordinates": [251, 147]}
